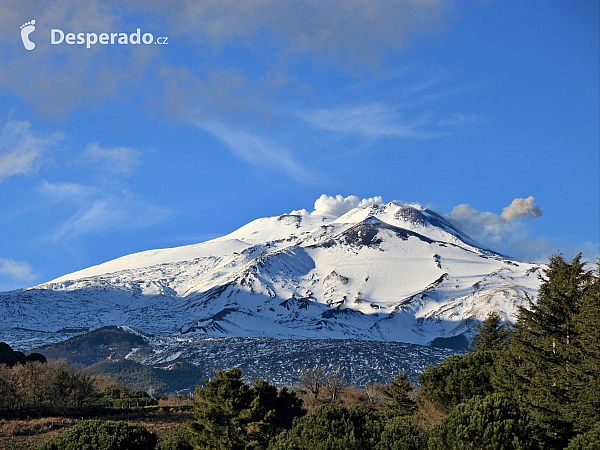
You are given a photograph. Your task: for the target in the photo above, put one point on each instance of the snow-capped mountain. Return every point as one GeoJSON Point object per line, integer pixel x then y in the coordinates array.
{"type": "Point", "coordinates": [386, 272]}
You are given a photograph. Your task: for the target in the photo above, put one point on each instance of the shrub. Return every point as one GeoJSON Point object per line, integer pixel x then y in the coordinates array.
{"type": "Point", "coordinates": [102, 435]}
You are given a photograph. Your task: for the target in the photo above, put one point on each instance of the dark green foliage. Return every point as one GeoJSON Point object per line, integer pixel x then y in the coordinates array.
{"type": "Point", "coordinates": [457, 379]}
{"type": "Point", "coordinates": [492, 335]}
{"type": "Point", "coordinates": [181, 375]}
{"type": "Point", "coordinates": [181, 438]}
{"type": "Point", "coordinates": [586, 441]}
{"type": "Point", "coordinates": [233, 415]}
{"type": "Point", "coordinates": [397, 393]}
{"type": "Point", "coordinates": [399, 433]}
{"type": "Point", "coordinates": [542, 367]}
{"type": "Point", "coordinates": [9, 356]}
{"type": "Point", "coordinates": [586, 389]}
{"type": "Point", "coordinates": [102, 435]}
{"type": "Point", "coordinates": [330, 428]}
{"type": "Point", "coordinates": [124, 398]}
{"type": "Point", "coordinates": [493, 422]}
{"type": "Point", "coordinates": [335, 427]}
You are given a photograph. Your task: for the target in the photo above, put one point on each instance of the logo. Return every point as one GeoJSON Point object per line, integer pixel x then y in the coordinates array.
{"type": "Point", "coordinates": [58, 36]}
{"type": "Point", "coordinates": [26, 29]}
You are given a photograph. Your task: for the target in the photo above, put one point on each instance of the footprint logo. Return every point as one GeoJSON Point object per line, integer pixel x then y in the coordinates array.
{"type": "Point", "coordinates": [26, 29]}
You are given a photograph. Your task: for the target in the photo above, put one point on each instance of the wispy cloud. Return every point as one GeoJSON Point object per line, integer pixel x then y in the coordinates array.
{"type": "Point", "coordinates": [14, 274]}
{"type": "Point", "coordinates": [373, 120]}
{"type": "Point", "coordinates": [259, 151]}
{"type": "Point", "coordinates": [352, 30]}
{"type": "Point", "coordinates": [115, 159]}
{"type": "Point", "coordinates": [99, 210]}
{"type": "Point", "coordinates": [21, 150]}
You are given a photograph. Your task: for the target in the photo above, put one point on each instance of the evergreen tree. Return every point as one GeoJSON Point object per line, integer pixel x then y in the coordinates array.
{"type": "Point", "coordinates": [397, 393]}
{"type": "Point", "coordinates": [457, 379]}
{"type": "Point", "coordinates": [492, 335]}
{"type": "Point", "coordinates": [587, 371]}
{"type": "Point", "coordinates": [493, 422]}
{"type": "Point", "coordinates": [539, 370]}
{"type": "Point", "coordinates": [233, 415]}
{"type": "Point", "coordinates": [589, 440]}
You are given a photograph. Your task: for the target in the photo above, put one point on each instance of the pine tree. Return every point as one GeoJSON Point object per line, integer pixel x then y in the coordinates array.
{"type": "Point", "coordinates": [492, 422]}
{"type": "Point", "coordinates": [587, 370]}
{"type": "Point", "coordinates": [492, 335]}
{"type": "Point", "coordinates": [233, 415]}
{"type": "Point", "coordinates": [539, 370]}
{"type": "Point", "coordinates": [397, 393]}
{"type": "Point", "coordinates": [218, 407]}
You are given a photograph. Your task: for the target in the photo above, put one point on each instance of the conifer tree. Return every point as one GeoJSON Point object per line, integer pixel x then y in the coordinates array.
{"type": "Point", "coordinates": [397, 393]}
{"type": "Point", "coordinates": [233, 415]}
{"type": "Point", "coordinates": [492, 335]}
{"type": "Point", "coordinates": [491, 422]}
{"type": "Point", "coordinates": [587, 370]}
{"type": "Point", "coordinates": [539, 369]}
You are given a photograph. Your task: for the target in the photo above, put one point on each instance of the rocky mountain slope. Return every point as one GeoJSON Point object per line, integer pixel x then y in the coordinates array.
{"type": "Point", "coordinates": [386, 272]}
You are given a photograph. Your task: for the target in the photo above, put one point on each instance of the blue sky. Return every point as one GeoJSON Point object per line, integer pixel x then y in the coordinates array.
{"type": "Point", "coordinates": [257, 108]}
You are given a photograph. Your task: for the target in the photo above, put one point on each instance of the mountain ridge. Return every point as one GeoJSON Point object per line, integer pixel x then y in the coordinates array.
{"type": "Point", "coordinates": [386, 272]}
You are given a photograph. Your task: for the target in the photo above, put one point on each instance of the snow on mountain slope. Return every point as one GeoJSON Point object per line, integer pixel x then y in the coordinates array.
{"type": "Point", "coordinates": [381, 272]}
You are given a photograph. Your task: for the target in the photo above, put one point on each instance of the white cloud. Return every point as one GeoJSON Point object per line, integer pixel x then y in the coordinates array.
{"type": "Point", "coordinates": [492, 226]}
{"type": "Point", "coordinates": [14, 274]}
{"type": "Point", "coordinates": [372, 120]}
{"type": "Point", "coordinates": [72, 192]}
{"type": "Point", "coordinates": [116, 159]}
{"type": "Point", "coordinates": [21, 150]}
{"type": "Point", "coordinates": [458, 119]}
{"type": "Point", "coordinates": [16, 269]}
{"type": "Point", "coordinates": [338, 205]}
{"type": "Point", "coordinates": [100, 210]}
{"type": "Point", "coordinates": [505, 232]}
{"type": "Point", "coordinates": [258, 151]}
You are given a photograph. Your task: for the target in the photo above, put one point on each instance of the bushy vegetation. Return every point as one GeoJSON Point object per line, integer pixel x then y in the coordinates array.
{"type": "Point", "coordinates": [37, 389]}
{"type": "Point", "coordinates": [230, 414]}
{"type": "Point", "coordinates": [102, 435]}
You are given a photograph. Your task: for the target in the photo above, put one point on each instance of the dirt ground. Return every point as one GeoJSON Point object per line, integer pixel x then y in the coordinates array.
{"type": "Point", "coordinates": [16, 434]}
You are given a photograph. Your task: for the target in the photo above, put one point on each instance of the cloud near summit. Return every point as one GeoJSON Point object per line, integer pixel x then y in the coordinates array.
{"type": "Point", "coordinates": [336, 206]}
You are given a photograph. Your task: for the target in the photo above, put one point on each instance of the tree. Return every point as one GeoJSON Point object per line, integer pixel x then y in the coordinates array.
{"type": "Point", "coordinates": [493, 422]}
{"type": "Point", "coordinates": [587, 371]}
{"type": "Point", "coordinates": [397, 393]}
{"type": "Point", "coordinates": [334, 382]}
{"type": "Point", "coordinates": [328, 428]}
{"type": "Point", "coordinates": [540, 368]}
{"type": "Point", "coordinates": [492, 335]}
{"type": "Point", "coordinates": [181, 438]}
{"type": "Point", "coordinates": [102, 435]}
{"type": "Point", "coordinates": [457, 379]}
{"type": "Point", "coordinates": [312, 379]}
{"type": "Point", "coordinates": [233, 415]}
{"type": "Point", "coordinates": [589, 440]}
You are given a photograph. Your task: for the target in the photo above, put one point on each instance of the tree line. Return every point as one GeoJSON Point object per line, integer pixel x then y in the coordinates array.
{"type": "Point", "coordinates": [36, 388]}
